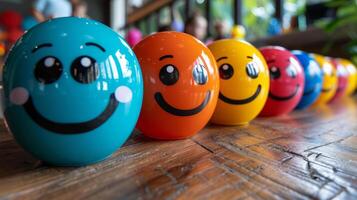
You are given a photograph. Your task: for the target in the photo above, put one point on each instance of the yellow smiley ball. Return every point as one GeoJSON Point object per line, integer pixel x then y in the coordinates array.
{"type": "Point", "coordinates": [238, 32]}
{"type": "Point", "coordinates": [244, 82]}
{"type": "Point", "coordinates": [352, 76]}
{"type": "Point", "coordinates": [329, 85]}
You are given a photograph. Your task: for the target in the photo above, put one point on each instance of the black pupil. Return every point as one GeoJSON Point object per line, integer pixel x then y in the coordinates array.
{"type": "Point", "coordinates": [84, 69]}
{"type": "Point", "coordinates": [252, 70]}
{"type": "Point", "coordinates": [169, 75]}
{"type": "Point", "coordinates": [200, 74]}
{"type": "Point", "coordinates": [291, 71]}
{"type": "Point", "coordinates": [274, 72]}
{"type": "Point", "coordinates": [326, 73]}
{"type": "Point", "coordinates": [48, 70]}
{"type": "Point", "coordinates": [226, 71]}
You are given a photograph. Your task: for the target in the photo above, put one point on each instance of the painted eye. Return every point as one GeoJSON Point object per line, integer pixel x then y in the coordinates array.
{"type": "Point", "coordinates": [314, 69]}
{"type": "Point", "coordinates": [291, 71]}
{"type": "Point", "coordinates": [48, 70]}
{"type": "Point", "coordinates": [226, 71]}
{"type": "Point", "coordinates": [333, 74]}
{"type": "Point", "coordinates": [252, 70]}
{"type": "Point", "coordinates": [169, 74]}
{"type": "Point", "coordinates": [84, 69]}
{"type": "Point", "coordinates": [199, 74]}
{"type": "Point", "coordinates": [274, 72]}
{"type": "Point", "coordinates": [327, 70]}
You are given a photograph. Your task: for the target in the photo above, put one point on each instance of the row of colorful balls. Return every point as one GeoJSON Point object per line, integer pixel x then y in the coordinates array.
{"type": "Point", "coordinates": [266, 82]}
{"type": "Point", "coordinates": [74, 90]}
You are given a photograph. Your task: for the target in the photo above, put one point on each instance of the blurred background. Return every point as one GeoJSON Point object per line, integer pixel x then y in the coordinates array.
{"type": "Point", "coordinates": [321, 26]}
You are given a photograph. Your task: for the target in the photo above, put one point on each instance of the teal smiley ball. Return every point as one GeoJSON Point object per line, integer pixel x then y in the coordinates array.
{"type": "Point", "coordinates": [73, 91]}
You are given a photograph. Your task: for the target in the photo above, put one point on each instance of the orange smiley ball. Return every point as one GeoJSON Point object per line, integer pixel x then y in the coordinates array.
{"type": "Point", "coordinates": [181, 85]}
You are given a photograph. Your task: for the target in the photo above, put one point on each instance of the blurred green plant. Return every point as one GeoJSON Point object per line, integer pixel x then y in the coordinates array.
{"type": "Point", "coordinates": [256, 17]}
{"type": "Point", "coordinates": [345, 22]}
{"type": "Point", "coordinates": [295, 8]}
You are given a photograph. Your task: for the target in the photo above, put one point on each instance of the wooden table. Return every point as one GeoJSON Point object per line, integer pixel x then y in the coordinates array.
{"type": "Point", "coordinates": [307, 154]}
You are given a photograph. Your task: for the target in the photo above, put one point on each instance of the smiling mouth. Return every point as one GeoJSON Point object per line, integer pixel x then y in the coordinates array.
{"type": "Point", "coordinates": [241, 101]}
{"type": "Point", "coordinates": [326, 89]}
{"type": "Point", "coordinates": [71, 128]}
{"type": "Point", "coordinates": [339, 89]}
{"type": "Point", "coordinates": [279, 98]}
{"type": "Point", "coordinates": [179, 112]}
{"type": "Point", "coordinates": [307, 93]}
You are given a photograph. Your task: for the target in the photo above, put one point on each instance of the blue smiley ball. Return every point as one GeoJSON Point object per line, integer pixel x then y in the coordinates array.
{"type": "Point", "coordinates": [73, 91]}
{"type": "Point", "coordinates": [313, 79]}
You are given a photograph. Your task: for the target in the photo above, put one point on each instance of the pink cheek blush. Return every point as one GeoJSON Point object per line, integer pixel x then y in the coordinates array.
{"type": "Point", "coordinates": [19, 96]}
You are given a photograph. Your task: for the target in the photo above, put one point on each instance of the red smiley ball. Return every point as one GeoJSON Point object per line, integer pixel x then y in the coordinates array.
{"type": "Point", "coordinates": [286, 81]}
{"type": "Point", "coordinates": [342, 82]}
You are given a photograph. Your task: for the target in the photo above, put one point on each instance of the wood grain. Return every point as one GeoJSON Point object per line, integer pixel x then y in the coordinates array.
{"type": "Point", "coordinates": [310, 154]}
